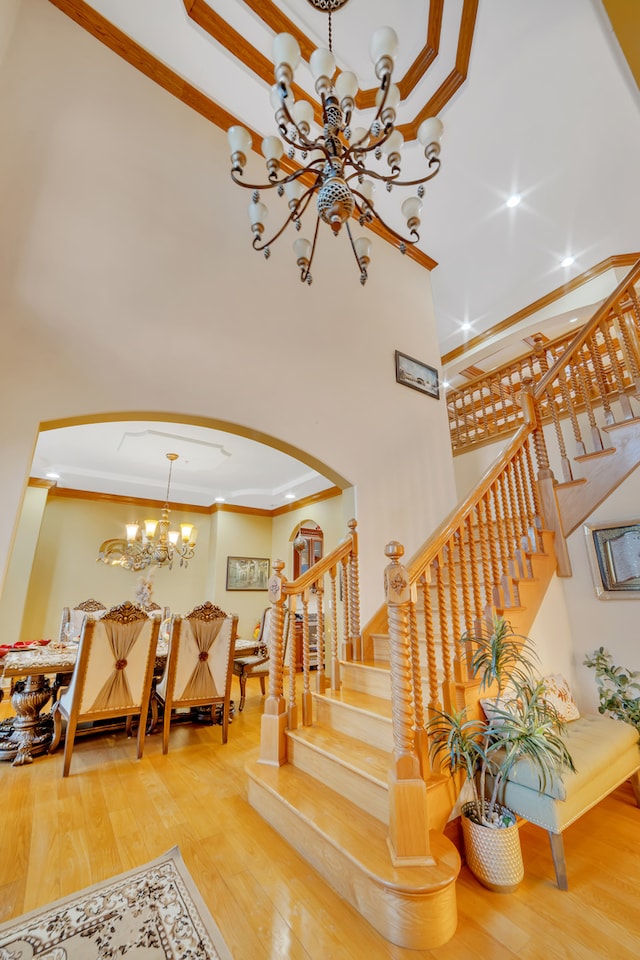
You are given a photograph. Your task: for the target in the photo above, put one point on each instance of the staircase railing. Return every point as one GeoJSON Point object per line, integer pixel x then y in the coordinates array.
{"type": "Point", "coordinates": [602, 372]}
{"type": "Point", "coordinates": [340, 622]}
{"type": "Point", "coordinates": [470, 568]}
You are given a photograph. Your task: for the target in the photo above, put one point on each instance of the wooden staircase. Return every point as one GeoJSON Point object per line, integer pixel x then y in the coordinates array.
{"type": "Point", "coordinates": [353, 775]}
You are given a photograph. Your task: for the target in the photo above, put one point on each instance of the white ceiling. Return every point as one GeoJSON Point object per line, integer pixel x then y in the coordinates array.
{"type": "Point", "coordinates": [129, 459]}
{"type": "Point", "coordinates": [549, 110]}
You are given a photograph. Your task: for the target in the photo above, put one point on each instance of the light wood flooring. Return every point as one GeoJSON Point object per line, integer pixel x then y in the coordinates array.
{"type": "Point", "coordinates": [114, 813]}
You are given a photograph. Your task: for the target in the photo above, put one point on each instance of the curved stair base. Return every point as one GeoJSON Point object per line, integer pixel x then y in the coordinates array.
{"type": "Point", "coordinates": [413, 907]}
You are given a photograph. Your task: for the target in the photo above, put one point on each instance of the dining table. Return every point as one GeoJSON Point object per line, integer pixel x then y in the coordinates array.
{"type": "Point", "coordinates": [29, 733]}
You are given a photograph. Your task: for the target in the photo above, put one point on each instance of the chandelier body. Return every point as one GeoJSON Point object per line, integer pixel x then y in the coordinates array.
{"type": "Point", "coordinates": [336, 167]}
{"type": "Point", "coordinates": [155, 545]}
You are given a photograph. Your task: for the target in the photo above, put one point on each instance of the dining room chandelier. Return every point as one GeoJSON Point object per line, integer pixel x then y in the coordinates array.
{"type": "Point", "coordinates": [154, 544]}
{"type": "Point", "coordinates": [339, 166]}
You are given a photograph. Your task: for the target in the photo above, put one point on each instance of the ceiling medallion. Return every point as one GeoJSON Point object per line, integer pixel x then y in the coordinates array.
{"type": "Point", "coordinates": [340, 165]}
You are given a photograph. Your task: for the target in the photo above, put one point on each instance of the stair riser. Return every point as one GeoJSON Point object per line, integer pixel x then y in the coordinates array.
{"type": "Point", "coordinates": [414, 922]}
{"type": "Point", "coordinates": [376, 683]}
{"type": "Point", "coordinates": [375, 731]}
{"type": "Point", "coordinates": [366, 794]}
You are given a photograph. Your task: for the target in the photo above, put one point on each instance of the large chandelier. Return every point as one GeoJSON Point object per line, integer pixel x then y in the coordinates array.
{"type": "Point", "coordinates": [155, 545]}
{"type": "Point", "coordinates": [339, 166]}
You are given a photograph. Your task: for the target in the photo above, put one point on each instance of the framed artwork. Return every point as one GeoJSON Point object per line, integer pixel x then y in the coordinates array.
{"type": "Point", "coordinates": [417, 375]}
{"type": "Point", "coordinates": [614, 555]}
{"type": "Point", "coordinates": [248, 573]}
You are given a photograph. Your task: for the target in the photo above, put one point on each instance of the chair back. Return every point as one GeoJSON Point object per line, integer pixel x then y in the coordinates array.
{"type": "Point", "coordinates": [114, 666]}
{"type": "Point", "coordinates": [200, 656]}
{"type": "Point", "coordinates": [75, 616]}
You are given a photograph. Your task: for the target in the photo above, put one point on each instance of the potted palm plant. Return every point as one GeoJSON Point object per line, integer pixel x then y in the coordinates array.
{"type": "Point", "coordinates": [519, 724]}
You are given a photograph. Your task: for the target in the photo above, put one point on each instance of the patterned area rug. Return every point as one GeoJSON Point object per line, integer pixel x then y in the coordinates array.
{"type": "Point", "coordinates": [154, 912]}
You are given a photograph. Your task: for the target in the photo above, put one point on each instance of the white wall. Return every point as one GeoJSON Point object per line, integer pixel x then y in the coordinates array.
{"type": "Point", "coordinates": [128, 285]}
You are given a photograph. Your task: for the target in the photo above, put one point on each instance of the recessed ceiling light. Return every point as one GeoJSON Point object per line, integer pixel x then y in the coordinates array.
{"type": "Point", "coordinates": [52, 476]}
{"type": "Point", "coordinates": [466, 325]}
{"type": "Point", "coordinates": [220, 499]}
{"type": "Point", "coordinates": [445, 384]}
{"type": "Point", "coordinates": [573, 320]}
{"type": "Point", "coordinates": [514, 200]}
{"type": "Point", "coordinates": [567, 261]}
{"type": "Point", "coordinates": [289, 496]}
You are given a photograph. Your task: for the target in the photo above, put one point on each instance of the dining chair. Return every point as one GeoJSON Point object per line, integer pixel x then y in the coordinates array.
{"type": "Point", "coordinates": [257, 664]}
{"type": "Point", "coordinates": [198, 668]}
{"type": "Point", "coordinates": [72, 618]}
{"type": "Point", "coordinates": [112, 675]}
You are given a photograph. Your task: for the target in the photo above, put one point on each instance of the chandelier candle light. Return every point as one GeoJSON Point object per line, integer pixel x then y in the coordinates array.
{"type": "Point", "coordinates": [156, 544]}
{"type": "Point", "coordinates": [337, 166]}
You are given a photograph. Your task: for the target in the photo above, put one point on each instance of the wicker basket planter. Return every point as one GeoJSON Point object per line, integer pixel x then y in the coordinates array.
{"type": "Point", "coordinates": [493, 854]}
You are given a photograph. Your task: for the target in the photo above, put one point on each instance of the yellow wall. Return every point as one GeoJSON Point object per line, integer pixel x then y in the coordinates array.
{"type": "Point", "coordinates": [61, 568]}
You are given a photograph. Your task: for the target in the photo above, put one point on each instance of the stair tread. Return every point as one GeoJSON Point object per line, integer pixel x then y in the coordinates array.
{"type": "Point", "coordinates": [368, 664]}
{"type": "Point", "coordinates": [371, 762]}
{"type": "Point", "coordinates": [360, 836]}
{"type": "Point", "coordinates": [356, 700]}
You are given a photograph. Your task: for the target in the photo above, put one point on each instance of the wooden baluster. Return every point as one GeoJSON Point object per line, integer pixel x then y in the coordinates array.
{"type": "Point", "coordinates": [408, 803]}
{"type": "Point", "coordinates": [321, 677]}
{"type": "Point", "coordinates": [583, 373]}
{"type": "Point", "coordinates": [430, 637]}
{"type": "Point", "coordinates": [465, 561]}
{"type": "Point", "coordinates": [273, 744]}
{"type": "Point", "coordinates": [490, 536]}
{"type": "Point", "coordinates": [533, 486]}
{"type": "Point", "coordinates": [520, 561]}
{"type": "Point", "coordinates": [570, 408]}
{"type": "Point", "coordinates": [475, 570]}
{"type": "Point", "coordinates": [335, 651]}
{"type": "Point", "coordinates": [347, 649]}
{"type": "Point", "coordinates": [354, 595]}
{"type": "Point", "coordinates": [503, 403]}
{"type": "Point", "coordinates": [522, 503]}
{"type": "Point", "coordinates": [616, 369]}
{"type": "Point", "coordinates": [507, 512]}
{"type": "Point", "coordinates": [448, 695]}
{"type": "Point", "coordinates": [307, 700]}
{"type": "Point", "coordinates": [485, 419]}
{"type": "Point", "coordinates": [506, 583]}
{"type": "Point", "coordinates": [459, 665]}
{"type": "Point", "coordinates": [601, 380]}
{"type": "Point", "coordinates": [625, 329]}
{"type": "Point", "coordinates": [293, 666]}
{"type": "Point", "coordinates": [630, 324]}
{"type": "Point", "coordinates": [421, 741]}
{"type": "Point", "coordinates": [577, 386]}
{"type": "Point", "coordinates": [532, 529]}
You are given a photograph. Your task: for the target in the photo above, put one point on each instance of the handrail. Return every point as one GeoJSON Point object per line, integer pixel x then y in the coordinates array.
{"type": "Point", "coordinates": [447, 528]}
{"type": "Point", "coordinates": [583, 335]}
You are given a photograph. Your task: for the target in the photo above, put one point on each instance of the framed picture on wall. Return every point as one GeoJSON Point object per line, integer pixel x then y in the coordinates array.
{"type": "Point", "coordinates": [248, 573]}
{"type": "Point", "coordinates": [614, 555]}
{"type": "Point", "coordinates": [417, 375]}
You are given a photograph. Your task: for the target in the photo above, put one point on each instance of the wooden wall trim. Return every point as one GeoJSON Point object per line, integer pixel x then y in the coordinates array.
{"type": "Point", "coordinates": [65, 493]}
{"type": "Point", "coordinates": [619, 260]}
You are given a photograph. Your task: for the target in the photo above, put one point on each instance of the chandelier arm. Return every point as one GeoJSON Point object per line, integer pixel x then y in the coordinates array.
{"type": "Point", "coordinates": [305, 272]}
{"type": "Point", "coordinates": [294, 215]}
{"type": "Point", "coordinates": [310, 168]}
{"type": "Point", "coordinates": [303, 139]}
{"type": "Point", "coordinates": [363, 272]}
{"type": "Point", "coordinates": [398, 236]}
{"type": "Point", "coordinates": [414, 183]}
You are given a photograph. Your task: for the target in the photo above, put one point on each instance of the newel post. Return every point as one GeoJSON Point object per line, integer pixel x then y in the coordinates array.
{"type": "Point", "coordinates": [408, 812]}
{"type": "Point", "coordinates": [273, 743]}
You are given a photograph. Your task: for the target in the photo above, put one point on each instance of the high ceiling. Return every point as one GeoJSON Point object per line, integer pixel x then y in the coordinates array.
{"type": "Point", "coordinates": [537, 100]}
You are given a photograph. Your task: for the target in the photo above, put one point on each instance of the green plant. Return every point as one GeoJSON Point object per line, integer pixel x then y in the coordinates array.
{"type": "Point", "coordinates": [521, 724]}
{"type": "Point", "coordinates": [615, 688]}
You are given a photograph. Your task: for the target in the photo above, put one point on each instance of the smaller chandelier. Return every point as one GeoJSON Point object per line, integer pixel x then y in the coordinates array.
{"type": "Point", "coordinates": [155, 545]}
{"type": "Point", "coordinates": [338, 167]}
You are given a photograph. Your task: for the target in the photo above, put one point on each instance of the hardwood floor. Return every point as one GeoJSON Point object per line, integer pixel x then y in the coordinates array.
{"type": "Point", "coordinates": [114, 812]}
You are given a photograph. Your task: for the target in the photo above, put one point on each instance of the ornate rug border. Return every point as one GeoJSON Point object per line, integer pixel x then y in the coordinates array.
{"type": "Point", "coordinates": [9, 928]}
